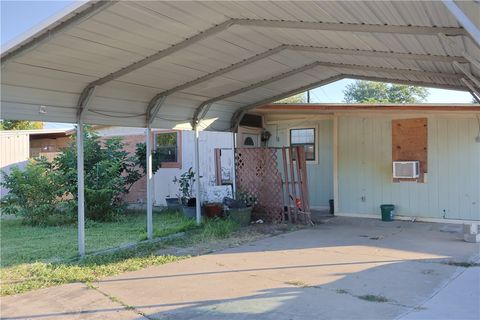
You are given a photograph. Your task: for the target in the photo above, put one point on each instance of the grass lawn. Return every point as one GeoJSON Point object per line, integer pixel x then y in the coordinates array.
{"type": "Point", "coordinates": [25, 244]}
{"type": "Point", "coordinates": [39, 257]}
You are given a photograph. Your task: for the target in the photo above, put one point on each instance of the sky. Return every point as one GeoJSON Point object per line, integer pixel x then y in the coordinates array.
{"type": "Point", "coordinates": [20, 16]}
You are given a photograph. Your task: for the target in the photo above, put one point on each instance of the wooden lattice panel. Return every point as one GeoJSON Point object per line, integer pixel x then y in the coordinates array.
{"type": "Point", "coordinates": [257, 174]}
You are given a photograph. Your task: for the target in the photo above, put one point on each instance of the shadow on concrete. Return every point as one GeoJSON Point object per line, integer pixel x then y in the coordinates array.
{"type": "Point", "coordinates": [387, 270]}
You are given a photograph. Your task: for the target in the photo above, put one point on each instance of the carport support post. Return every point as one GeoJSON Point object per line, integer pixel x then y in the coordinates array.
{"type": "Point", "coordinates": [80, 190]}
{"type": "Point", "coordinates": [198, 203]}
{"type": "Point", "coordinates": [149, 182]}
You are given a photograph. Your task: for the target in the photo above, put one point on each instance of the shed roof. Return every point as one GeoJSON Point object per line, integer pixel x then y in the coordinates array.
{"type": "Point", "coordinates": [207, 60]}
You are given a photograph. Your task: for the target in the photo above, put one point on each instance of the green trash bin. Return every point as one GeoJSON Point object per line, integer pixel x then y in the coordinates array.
{"type": "Point", "coordinates": [387, 212]}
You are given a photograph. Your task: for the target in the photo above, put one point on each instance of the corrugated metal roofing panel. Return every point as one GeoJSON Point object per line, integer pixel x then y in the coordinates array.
{"type": "Point", "coordinates": [54, 71]}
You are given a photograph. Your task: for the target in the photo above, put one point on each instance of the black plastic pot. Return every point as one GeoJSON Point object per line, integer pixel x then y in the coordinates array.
{"type": "Point", "coordinates": [173, 203]}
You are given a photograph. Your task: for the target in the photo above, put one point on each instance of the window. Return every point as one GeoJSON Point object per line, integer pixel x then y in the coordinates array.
{"type": "Point", "coordinates": [168, 149]}
{"type": "Point", "coordinates": [304, 137]}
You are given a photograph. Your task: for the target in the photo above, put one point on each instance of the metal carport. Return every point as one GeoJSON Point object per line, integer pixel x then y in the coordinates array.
{"type": "Point", "coordinates": [201, 65]}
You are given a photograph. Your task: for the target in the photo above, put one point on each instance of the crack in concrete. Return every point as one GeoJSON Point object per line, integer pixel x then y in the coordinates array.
{"type": "Point", "coordinates": [118, 301]}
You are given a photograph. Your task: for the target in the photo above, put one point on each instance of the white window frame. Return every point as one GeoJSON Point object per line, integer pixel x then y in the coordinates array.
{"type": "Point", "coordinates": [316, 137]}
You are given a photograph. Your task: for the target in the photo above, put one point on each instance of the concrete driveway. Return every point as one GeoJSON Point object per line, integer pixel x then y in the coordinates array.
{"type": "Point", "coordinates": [344, 269]}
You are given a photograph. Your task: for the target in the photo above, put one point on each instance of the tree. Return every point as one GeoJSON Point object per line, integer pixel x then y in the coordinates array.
{"type": "Point", "coordinates": [20, 125]}
{"type": "Point", "coordinates": [298, 98]}
{"type": "Point", "coordinates": [362, 91]}
{"type": "Point", "coordinates": [109, 173]}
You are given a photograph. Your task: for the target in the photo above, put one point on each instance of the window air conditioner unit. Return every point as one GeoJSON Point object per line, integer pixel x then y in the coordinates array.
{"type": "Point", "coordinates": [406, 169]}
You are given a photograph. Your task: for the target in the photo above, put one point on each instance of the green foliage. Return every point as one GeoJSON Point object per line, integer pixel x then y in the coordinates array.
{"type": "Point", "coordinates": [47, 271]}
{"type": "Point", "coordinates": [109, 173]}
{"type": "Point", "coordinates": [217, 228]}
{"type": "Point", "coordinates": [362, 91]}
{"type": "Point", "coordinates": [34, 194]}
{"type": "Point", "coordinates": [185, 184]}
{"type": "Point", "coordinates": [141, 158]}
{"type": "Point", "coordinates": [38, 275]}
{"type": "Point", "coordinates": [172, 222]}
{"type": "Point", "coordinates": [20, 125]}
{"type": "Point", "coordinates": [298, 98]}
{"type": "Point", "coordinates": [59, 243]}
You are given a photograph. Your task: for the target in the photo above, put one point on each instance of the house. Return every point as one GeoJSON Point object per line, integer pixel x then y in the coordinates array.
{"type": "Point", "coordinates": [178, 158]}
{"type": "Point", "coordinates": [351, 148]}
{"type": "Point", "coordinates": [211, 64]}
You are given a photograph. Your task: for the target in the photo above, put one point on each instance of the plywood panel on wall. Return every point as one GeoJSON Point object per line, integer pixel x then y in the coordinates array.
{"type": "Point", "coordinates": [410, 143]}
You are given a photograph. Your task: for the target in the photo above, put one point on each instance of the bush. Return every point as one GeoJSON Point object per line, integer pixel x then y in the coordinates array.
{"type": "Point", "coordinates": [46, 193]}
{"type": "Point", "coordinates": [34, 194]}
{"type": "Point", "coordinates": [109, 172]}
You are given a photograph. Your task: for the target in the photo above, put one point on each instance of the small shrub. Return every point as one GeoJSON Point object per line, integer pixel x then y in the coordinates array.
{"type": "Point", "coordinates": [34, 194]}
{"type": "Point", "coordinates": [109, 173]}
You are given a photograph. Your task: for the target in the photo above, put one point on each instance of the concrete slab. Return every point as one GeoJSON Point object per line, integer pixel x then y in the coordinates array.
{"type": "Point", "coordinates": [343, 269]}
{"type": "Point", "coordinates": [321, 272]}
{"type": "Point", "coordinates": [459, 299]}
{"type": "Point", "coordinates": [72, 301]}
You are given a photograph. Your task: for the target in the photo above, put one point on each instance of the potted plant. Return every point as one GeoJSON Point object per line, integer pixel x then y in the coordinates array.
{"type": "Point", "coordinates": [187, 200]}
{"type": "Point", "coordinates": [240, 209]}
{"type": "Point", "coordinates": [213, 209]}
{"type": "Point", "coordinates": [172, 202]}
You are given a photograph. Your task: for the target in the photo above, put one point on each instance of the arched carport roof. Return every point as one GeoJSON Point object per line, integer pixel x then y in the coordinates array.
{"type": "Point", "coordinates": [172, 63]}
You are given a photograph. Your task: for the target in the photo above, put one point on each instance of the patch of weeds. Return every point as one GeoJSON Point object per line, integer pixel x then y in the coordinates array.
{"type": "Point", "coordinates": [419, 308]}
{"type": "Point", "coordinates": [373, 298]}
{"type": "Point", "coordinates": [428, 271]}
{"type": "Point", "coordinates": [298, 283]}
{"type": "Point", "coordinates": [463, 264]}
{"type": "Point", "coordinates": [211, 230]}
{"type": "Point", "coordinates": [342, 291]}
{"type": "Point", "coordinates": [172, 222]}
{"type": "Point", "coordinates": [26, 277]}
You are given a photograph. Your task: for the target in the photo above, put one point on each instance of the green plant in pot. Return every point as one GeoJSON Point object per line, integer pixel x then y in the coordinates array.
{"type": "Point", "coordinates": [185, 192]}
{"type": "Point", "coordinates": [213, 209]}
{"type": "Point", "coordinates": [240, 209]}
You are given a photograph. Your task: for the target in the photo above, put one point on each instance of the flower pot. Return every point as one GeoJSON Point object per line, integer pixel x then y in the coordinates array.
{"type": "Point", "coordinates": [241, 215]}
{"type": "Point", "coordinates": [213, 210]}
{"type": "Point", "coordinates": [173, 203]}
{"type": "Point", "coordinates": [189, 212]}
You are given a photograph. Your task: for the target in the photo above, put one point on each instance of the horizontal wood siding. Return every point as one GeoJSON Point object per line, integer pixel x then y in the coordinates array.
{"type": "Point", "coordinates": [452, 188]}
